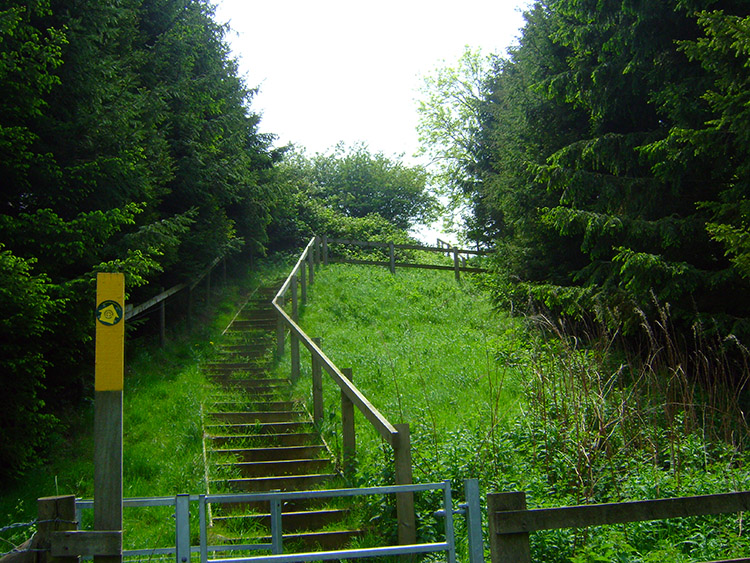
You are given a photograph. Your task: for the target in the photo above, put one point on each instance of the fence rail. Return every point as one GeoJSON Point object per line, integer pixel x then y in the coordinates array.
{"type": "Point", "coordinates": [510, 522]}
{"type": "Point", "coordinates": [460, 256]}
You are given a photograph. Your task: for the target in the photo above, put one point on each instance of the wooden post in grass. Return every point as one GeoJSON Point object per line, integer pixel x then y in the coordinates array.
{"type": "Point", "coordinates": [392, 255]}
{"type": "Point", "coordinates": [325, 251]}
{"type": "Point", "coordinates": [507, 548]}
{"type": "Point", "coordinates": [348, 436]}
{"type": "Point", "coordinates": [407, 531]}
{"type": "Point", "coordinates": [317, 385]}
{"type": "Point", "coordinates": [280, 329]}
{"type": "Point", "coordinates": [456, 265]}
{"type": "Point", "coordinates": [303, 282]}
{"type": "Point", "coordinates": [311, 264]}
{"type": "Point", "coordinates": [293, 339]}
{"type": "Point", "coordinates": [108, 388]}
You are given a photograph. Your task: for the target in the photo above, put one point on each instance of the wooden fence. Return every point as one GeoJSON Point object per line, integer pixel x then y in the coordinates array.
{"type": "Point", "coordinates": [460, 256]}
{"type": "Point", "coordinates": [133, 311]}
{"type": "Point", "coordinates": [510, 522]}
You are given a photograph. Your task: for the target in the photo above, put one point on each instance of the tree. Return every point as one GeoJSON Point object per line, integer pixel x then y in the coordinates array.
{"type": "Point", "coordinates": [358, 183]}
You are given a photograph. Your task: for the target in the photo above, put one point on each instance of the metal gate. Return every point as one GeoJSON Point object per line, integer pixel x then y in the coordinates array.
{"type": "Point", "coordinates": [183, 549]}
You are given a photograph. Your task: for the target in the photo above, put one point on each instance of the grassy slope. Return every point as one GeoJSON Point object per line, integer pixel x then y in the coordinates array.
{"type": "Point", "coordinates": [431, 353]}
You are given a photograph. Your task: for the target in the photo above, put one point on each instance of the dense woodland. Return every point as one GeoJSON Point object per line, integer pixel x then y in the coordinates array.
{"type": "Point", "coordinates": [605, 158]}
{"type": "Point", "coordinates": [128, 143]}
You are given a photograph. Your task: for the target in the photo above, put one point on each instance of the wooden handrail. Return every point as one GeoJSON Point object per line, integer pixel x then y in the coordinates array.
{"type": "Point", "coordinates": [386, 430]}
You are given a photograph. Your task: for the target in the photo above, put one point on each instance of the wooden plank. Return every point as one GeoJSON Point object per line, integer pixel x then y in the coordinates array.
{"type": "Point", "coordinates": [381, 424]}
{"type": "Point", "coordinates": [617, 513]}
{"type": "Point", "coordinates": [54, 514]}
{"type": "Point", "coordinates": [86, 543]}
{"type": "Point", "coordinates": [407, 265]}
{"type": "Point", "coordinates": [404, 246]}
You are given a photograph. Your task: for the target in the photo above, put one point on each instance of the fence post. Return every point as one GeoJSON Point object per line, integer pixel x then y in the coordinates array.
{"type": "Point", "coordinates": [349, 438]}
{"type": "Point", "coordinates": [54, 514]}
{"type": "Point", "coordinates": [162, 320]}
{"type": "Point", "coordinates": [303, 282]}
{"type": "Point", "coordinates": [182, 527]}
{"type": "Point", "coordinates": [456, 264]}
{"type": "Point", "coordinates": [507, 548]}
{"type": "Point", "coordinates": [474, 520]}
{"type": "Point", "coordinates": [325, 251]}
{"type": "Point", "coordinates": [311, 264]}
{"type": "Point", "coordinates": [317, 385]}
{"type": "Point", "coordinates": [407, 532]}
{"type": "Point", "coordinates": [392, 256]}
{"type": "Point", "coordinates": [280, 330]}
{"type": "Point", "coordinates": [293, 338]}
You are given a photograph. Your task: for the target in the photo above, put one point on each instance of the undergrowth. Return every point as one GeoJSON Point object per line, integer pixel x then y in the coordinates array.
{"type": "Point", "coordinates": [523, 406]}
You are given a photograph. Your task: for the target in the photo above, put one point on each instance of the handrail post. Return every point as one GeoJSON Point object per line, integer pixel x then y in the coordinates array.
{"type": "Point", "coordinates": [392, 255]}
{"type": "Point", "coordinates": [407, 532]}
{"type": "Point", "coordinates": [456, 264]}
{"type": "Point", "coordinates": [303, 282]}
{"type": "Point", "coordinates": [280, 330]}
{"type": "Point", "coordinates": [311, 263]}
{"type": "Point", "coordinates": [349, 438]}
{"type": "Point", "coordinates": [317, 385]}
{"type": "Point", "coordinates": [276, 530]}
{"type": "Point", "coordinates": [325, 250]}
{"type": "Point", "coordinates": [317, 252]}
{"type": "Point", "coordinates": [293, 339]}
{"type": "Point", "coordinates": [507, 548]}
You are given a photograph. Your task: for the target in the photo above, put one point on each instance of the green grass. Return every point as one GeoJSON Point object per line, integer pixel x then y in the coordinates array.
{"type": "Point", "coordinates": [489, 397]}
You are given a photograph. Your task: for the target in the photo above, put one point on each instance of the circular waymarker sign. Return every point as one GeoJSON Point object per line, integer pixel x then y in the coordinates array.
{"type": "Point", "coordinates": [109, 313]}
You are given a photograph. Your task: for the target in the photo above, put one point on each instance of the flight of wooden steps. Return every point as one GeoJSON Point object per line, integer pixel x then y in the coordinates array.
{"type": "Point", "coordinates": [257, 440]}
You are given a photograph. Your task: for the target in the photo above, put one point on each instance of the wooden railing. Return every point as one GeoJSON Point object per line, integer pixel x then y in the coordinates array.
{"type": "Point", "coordinates": [134, 311]}
{"type": "Point", "coordinates": [460, 256]}
{"type": "Point", "coordinates": [510, 522]}
{"type": "Point", "coordinates": [397, 436]}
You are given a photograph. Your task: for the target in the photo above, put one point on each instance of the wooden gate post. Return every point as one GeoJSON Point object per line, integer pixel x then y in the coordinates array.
{"type": "Point", "coordinates": [407, 531]}
{"type": "Point", "coordinates": [507, 548]}
{"type": "Point", "coordinates": [54, 514]}
{"type": "Point", "coordinates": [348, 436]}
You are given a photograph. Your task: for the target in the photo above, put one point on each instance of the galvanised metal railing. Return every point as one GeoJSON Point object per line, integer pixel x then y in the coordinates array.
{"type": "Point", "coordinates": [183, 548]}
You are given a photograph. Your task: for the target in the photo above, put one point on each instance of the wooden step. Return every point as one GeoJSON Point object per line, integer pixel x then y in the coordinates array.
{"type": "Point", "coordinates": [247, 417]}
{"type": "Point", "coordinates": [286, 440]}
{"type": "Point", "coordinates": [283, 483]}
{"type": "Point", "coordinates": [312, 541]}
{"type": "Point", "coordinates": [259, 429]}
{"type": "Point", "coordinates": [264, 406]}
{"type": "Point", "coordinates": [274, 453]}
{"type": "Point", "coordinates": [278, 468]}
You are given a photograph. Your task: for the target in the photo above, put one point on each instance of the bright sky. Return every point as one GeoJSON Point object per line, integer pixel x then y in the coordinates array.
{"type": "Point", "coordinates": [350, 70]}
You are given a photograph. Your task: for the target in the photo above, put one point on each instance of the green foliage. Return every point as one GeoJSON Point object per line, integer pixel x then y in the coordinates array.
{"type": "Point", "coordinates": [607, 156]}
{"type": "Point", "coordinates": [126, 144]}
{"type": "Point", "coordinates": [355, 183]}
{"type": "Point", "coordinates": [27, 309]}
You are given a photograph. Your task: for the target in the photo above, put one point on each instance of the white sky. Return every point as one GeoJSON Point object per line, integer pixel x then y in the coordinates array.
{"type": "Point", "coordinates": [350, 70]}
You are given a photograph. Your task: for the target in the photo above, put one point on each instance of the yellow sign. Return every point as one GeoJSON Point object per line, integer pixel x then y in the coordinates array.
{"type": "Point", "coordinates": [110, 332]}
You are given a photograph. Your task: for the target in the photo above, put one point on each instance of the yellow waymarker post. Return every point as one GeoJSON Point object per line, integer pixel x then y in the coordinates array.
{"type": "Point", "coordinates": [110, 332]}
{"type": "Point", "coordinates": [108, 387]}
